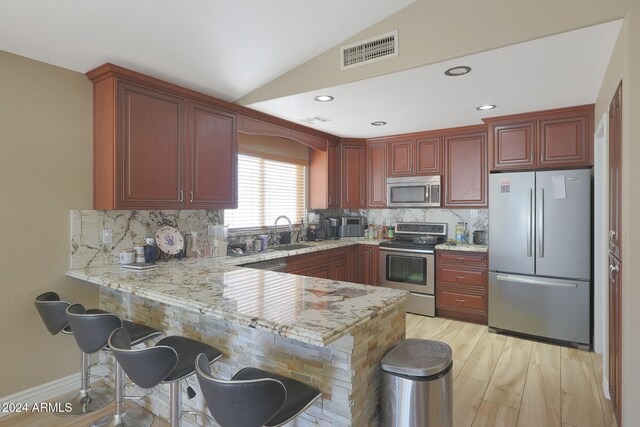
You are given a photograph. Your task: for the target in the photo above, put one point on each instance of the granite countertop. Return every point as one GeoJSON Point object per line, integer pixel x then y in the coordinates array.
{"type": "Point", "coordinates": [465, 247]}
{"type": "Point", "coordinates": [311, 310]}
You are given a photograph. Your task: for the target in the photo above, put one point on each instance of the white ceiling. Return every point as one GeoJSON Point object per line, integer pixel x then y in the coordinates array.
{"type": "Point", "coordinates": [557, 71]}
{"type": "Point", "coordinates": [223, 48]}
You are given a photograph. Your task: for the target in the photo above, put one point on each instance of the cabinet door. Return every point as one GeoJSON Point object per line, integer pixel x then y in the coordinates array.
{"type": "Point", "coordinates": [512, 146]}
{"type": "Point", "coordinates": [333, 175]}
{"type": "Point", "coordinates": [401, 158]}
{"type": "Point", "coordinates": [428, 158]}
{"type": "Point", "coordinates": [367, 265]}
{"type": "Point", "coordinates": [564, 141]}
{"type": "Point", "coordinates": [465, 170]}
{"type": "Point", "coordinates": [151, 148]}
{"type": "Point", "coordinates": [213, 158]}
{"type": "Point", "coordinates": [322, 271]}
{"type": "Point", "coordinates": [377, 175]}
{"type": "Point", "coordinates": [353, 158]}
{"type": "Point", "coordinates": [339, 271]}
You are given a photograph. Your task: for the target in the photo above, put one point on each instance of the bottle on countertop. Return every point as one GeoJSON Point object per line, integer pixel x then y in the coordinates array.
{"type": "Point", "coordinates": [391, 232]}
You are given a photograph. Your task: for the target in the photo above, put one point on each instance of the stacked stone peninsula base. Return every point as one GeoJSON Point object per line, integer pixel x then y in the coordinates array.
{"type": "Point", "coordinates": [347, 370]}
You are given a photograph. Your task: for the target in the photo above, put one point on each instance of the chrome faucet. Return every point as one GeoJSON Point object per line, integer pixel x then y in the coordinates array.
{"type": "Point", "coordinates": [275, 227]}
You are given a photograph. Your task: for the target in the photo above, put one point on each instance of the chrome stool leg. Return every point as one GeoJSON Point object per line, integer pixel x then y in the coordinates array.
{"type": "Point", "coordinates": [88, 399]}
{"type": "Point", "coordinates": [134, 416]}
{"type": "Point", "coordinates": [175, 404]}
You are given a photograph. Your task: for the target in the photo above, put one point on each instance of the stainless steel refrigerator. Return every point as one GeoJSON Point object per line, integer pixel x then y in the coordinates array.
{"type": "Point", "coordinates": [540, 254]}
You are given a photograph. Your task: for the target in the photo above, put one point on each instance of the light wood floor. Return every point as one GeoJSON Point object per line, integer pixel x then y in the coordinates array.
{"type": "Point", "coordinates": [507, 381]}
{"type": "Point", "coordinates": [499, 381]}
{"type": "Point", "coordinates": [41, 419]}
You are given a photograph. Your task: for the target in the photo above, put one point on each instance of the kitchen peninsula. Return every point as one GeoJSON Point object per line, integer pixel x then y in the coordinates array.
{"type": "Point", "coordinates": [326, 333]}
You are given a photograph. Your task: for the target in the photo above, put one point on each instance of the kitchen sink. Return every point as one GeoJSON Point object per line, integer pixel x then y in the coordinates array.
{"type": "Point", "coordinates": [291, 247]}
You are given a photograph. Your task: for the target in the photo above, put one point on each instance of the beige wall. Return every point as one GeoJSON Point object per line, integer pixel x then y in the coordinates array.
{"type": "Point", "coordinates": [45, 170]}
{"type": "Point", "coordinates": [273, 145]}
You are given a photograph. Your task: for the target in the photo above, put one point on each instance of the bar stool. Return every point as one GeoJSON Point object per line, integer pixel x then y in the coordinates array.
{"type": "Point", "coordinates": [88, 399]}
{"type": "Point", "coordinates": [91, 331]}
{"type": "Point", "coordinates": [253, 397]}
{"type": "Point", "coordinates": [169, 361]}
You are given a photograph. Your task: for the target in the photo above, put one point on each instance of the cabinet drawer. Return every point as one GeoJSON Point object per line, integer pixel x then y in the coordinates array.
{"type": "Point", "coordinates": [467, 259]}
{"type": "Point", "coordinates": [339, 254]}
{"type": "Point", "coordinates": [308, 260]}
{"type": "Point", "coordinates": [455, 276]}
{"type": "Point", "coordinates": [452, 299]}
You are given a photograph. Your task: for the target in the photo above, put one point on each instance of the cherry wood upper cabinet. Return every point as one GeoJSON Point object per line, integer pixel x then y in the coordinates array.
{"type": "Point", "coordinates": [401, 158]}
{"type": "Point", "coordinates": [159, 146]}
{"type": "Point", "coordinates": [324, 177]}
{"type": "Point", "coordinates": [353, 158]}
{"type": "Point", "coordinates": [150, 150]}
{"type": "Point", "coordinates": [428, 156]}
{"type": "Point", "coordinates": [560, 138]}
{"type": "Point", "coordinates": [213, 159]}
{"type": "Point", "coordinates": [415, 156]}
{"type": "Point", "coordinates": [377, 175]}
{"type": "Point", "coordinates": [465, 168]}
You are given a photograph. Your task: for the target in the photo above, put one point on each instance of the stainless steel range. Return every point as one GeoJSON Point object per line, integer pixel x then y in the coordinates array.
{"type": "Point", "coordinates": [408, 262]}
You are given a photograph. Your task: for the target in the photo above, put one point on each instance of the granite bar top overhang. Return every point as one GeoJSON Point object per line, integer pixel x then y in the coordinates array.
{"type": "Point", "coordinates": [465, 247]}
{"type": "Point", "coordinates": [311, 310]}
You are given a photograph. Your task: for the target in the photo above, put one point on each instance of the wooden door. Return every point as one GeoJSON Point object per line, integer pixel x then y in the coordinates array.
{"type": "Point", "coordinates": [401, 158]}
{"type": "Point", "coordinates": [615, 177]}
{"type": "Point", "coordinates": [377, 175]}
{"type": "Point", "coordinates": [428, 156]}
{"type": "Point", "coordinates": [465, 170]}
{"type": "Point", "coordinates": [564, 141]}
{"type": "Point", "coordinates": [353, 158]}
{"type": "Point", "coordinates": [333, 175]}
{"type": "Point", "coordinates": [615, 253]}
{"type": "Point", "coordinates": [512, 146]}
{"type": "Point", "coordinates": [151, 148]}
{"type": "Point", "coordinates": [213, 158]}
{"type": "Point", "coordinates": [615, 336]}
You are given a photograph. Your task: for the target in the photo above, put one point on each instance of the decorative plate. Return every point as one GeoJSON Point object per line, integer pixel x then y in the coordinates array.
{"type": "Point", "coordinates": [169, 240]}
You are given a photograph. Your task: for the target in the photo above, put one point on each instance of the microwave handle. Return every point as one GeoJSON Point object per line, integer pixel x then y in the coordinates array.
{"type": "Point", "coordinates": [426, 193]}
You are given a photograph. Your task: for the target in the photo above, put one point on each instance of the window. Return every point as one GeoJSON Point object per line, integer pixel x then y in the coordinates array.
{"type": "Point", "coordinates": [268, 188]}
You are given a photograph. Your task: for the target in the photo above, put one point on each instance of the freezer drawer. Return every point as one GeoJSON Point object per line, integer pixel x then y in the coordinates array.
{"type": "Point", "coordinates": [545, 307]}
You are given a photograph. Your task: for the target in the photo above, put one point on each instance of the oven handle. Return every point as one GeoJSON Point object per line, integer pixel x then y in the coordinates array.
{"type": "Point", "coordinates": [413, 251]}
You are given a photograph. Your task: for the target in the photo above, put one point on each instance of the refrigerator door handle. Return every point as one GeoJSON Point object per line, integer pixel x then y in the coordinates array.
{"type": "Point", "coordinates": [536, 282]}
{"type": "Point", "coordinates": [541, 224]}
{"type": "Point", "coordinates": [530, 225]}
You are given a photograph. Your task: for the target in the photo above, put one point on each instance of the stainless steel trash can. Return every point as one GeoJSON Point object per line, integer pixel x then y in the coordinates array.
{"type": "Point", "coordinates": [417, 385]}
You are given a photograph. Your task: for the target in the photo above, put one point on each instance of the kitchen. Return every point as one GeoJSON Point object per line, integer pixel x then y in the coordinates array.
{"type": "Point", "coordinates": [64, 182]}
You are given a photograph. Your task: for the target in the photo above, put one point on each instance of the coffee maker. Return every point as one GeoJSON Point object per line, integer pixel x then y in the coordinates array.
{"type": "Point", "coordinates": [331, 228]}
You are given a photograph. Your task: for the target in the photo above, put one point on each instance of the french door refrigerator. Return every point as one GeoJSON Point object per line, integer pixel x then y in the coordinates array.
{"type": "Point", "coordinates": [540, 256]}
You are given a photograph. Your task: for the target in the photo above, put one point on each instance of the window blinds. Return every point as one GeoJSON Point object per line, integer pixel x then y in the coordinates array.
{"type": "Point", "coordinates": [267, 189]}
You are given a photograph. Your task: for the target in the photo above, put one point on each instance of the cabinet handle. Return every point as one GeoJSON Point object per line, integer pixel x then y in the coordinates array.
{"type": "Point", "coordinates": [460, 259]}
{"type": "Point", "coordinates": [181, 196]}
{"type": "Point", "coordinates": [460, 277]}
{"type": "Point", "coordinates": [329, 199]}
{"type": "Point", "coordinates": [191, 197]}
{"type": "Point", "coordinates": [460, 301]}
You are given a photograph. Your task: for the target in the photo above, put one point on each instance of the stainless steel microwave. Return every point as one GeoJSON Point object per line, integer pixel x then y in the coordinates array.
{"type": "Point", "coordinates": [414, 192]}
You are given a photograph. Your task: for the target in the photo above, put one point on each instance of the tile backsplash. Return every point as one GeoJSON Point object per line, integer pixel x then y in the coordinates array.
{"type": "Point", "coordinates": [477, 219]}
{"type": "Point", "coordinates": [128, 228]}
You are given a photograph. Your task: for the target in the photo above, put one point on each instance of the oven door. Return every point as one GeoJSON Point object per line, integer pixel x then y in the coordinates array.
{"type": "Point", "coordinates": [408, 269]}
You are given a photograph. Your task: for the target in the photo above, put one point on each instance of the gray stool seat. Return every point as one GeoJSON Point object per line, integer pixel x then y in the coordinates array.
{"type": "Point", "coordinates": [169, 361]}
{"type": "Point", "coordinates": [92, 331]}
{"type": "Point", "coordinates": [52, 310]}
{"type": "Point", "coordinates": [253, 397]}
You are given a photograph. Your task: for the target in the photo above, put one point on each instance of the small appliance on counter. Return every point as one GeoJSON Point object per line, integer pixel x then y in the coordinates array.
{"type": "Point", "coordinates": [331, 228]}
{"type": "Point", "coordinates": [480, 237]}
{"type": "Point", "coordinates": [352, 226]}
{"type": "Point", "coordinates": [315, 233]}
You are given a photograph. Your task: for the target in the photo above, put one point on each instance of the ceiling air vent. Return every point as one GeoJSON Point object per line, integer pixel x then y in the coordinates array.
{"type": "Point", "coordinates": [370, 50]}
{"type": "Point", "coordinates": [315, 120]}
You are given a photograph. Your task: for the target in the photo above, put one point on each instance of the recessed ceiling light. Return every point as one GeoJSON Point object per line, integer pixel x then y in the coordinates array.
{"type": "Point", "coordinates": [379, 123]}
{"type": "Point", "coordinates": [323, 98]}
{"type": "Point", "coordinates": [460, 70]}
{"type": "Point", "coordinates": [485, 107]}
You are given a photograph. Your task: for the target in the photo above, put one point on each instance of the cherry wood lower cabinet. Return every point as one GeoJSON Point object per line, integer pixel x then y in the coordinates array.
{"type": "Point", "coordinates": [462, 286]}
{"type": "Point", "coordinates": [357, 264]}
